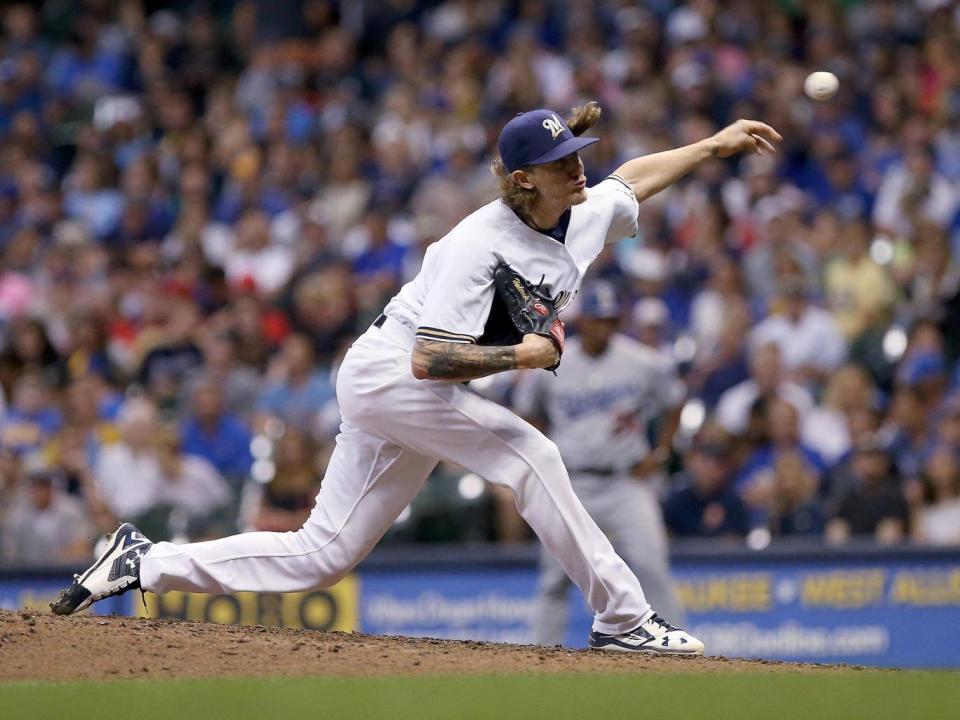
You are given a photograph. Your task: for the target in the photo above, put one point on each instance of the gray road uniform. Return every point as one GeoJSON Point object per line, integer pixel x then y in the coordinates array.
{"type": "Point", "coordinates": [597, 410]}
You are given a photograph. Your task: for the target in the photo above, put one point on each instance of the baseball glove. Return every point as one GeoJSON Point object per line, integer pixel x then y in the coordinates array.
{"type": "Point", "coordinates": [527, 308]}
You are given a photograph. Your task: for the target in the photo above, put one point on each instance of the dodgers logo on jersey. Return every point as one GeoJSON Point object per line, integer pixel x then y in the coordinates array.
{"type": "Point", "coordinates": [554, 125]}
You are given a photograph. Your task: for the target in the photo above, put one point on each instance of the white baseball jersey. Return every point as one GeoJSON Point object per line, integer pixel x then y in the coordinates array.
{"type": "Point", "coordinates": [599, 407]}
{"type": "Point", "coordinates": [450, 299]}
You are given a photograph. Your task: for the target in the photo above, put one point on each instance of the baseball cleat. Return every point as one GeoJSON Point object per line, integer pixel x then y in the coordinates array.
{"type": "Point", "coordinates": [655, 636]}
{"type": "Point", "coordinates": [115, 571]}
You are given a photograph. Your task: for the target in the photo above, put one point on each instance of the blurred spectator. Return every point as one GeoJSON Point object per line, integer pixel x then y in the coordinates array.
{"type": "Point", "coordinates": [29, 347]}
{"type": "Point", "coordinates": [381, 261]}
{"type": "Point", "coordinates": [810, 342]}
{"type": "Point", "coordinates": [89, 420]}
{"type": "Point", "coordinates": [324, 309]}
{"type": "Point", "coordinates": [859, 291]}
{"type": "Point", "coordinates": [259, 330]}
{"type": "Point", "coordinates": [726, 366]}
{"type": "Point", "coordinates": [238, 383]}
{"type": "Point", "coordinates": [755, 482]}
{"type": "Point", "coordinates": [127, 474]}
{"type": "Point", "coordinates": [297, 391]}
{"type": "Point", "coordinates": [197, 494]}
{"type": "Point", "coordinates": [90, 195]}
{"type": "Point", "coordinates": [925, 373]}
{"type": "Point", "coordinates": [704, 504]}
{"type": "Point", "coordinates": [912, 192]}
{"type": "Point", "coordinates": [934, 278]}
{"type": "Point", "coordinates": [87, 351]}
{"type": "Point", "coordinates": [782, 252]}
{"type": "Point", "coordinates": [286, 500]}
{"type": "Point", "coordinates": [826, 428]}
{"type": "Point", "coordinates": [213, 433]}
{"type": "Point", "coordinates": [44, 526]}
{"type": "Point", "coordinates": [253, 258]}
{"type": "Point", "coordinates": [937, 519]}
{"type": "Point", "coordinates": [907, 432]}
{"type": "Point", "coordinates": [874, 507]}
{"type": "Point", "coordinates": [794, 505]}
{"type": "Point", "coordinates": [171, 353]}
{"type": "Point", "coordinates": [342, 200]}
{"type": "Point", "coordinates": [947, 431]}
{"type": "Point", "coordinates": [713, 306]}
{"type": "Point", "coordinates": [33, 417]}
{"type": "Point", "coordinates": [766, 382]}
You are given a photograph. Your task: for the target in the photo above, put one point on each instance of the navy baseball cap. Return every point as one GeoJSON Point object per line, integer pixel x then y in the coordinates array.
{"type": "Point", "coordinates": [600, 301]}
{"type": "Point", "coordinates": [537, 137]}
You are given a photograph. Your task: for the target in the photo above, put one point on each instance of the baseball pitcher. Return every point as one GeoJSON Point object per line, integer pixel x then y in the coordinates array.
{"type": "Point", "coordinates": [404, 405]}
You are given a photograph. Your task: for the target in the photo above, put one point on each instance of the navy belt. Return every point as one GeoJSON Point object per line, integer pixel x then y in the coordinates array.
{"type": "Point", "coordinates": [380, 321]}
{"type": "Point", "coordinates": [597, 471]}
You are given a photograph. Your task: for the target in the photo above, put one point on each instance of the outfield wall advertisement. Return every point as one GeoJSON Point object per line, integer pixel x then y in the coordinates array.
{"type": "Point", "coordinates": [894, 612]}
{"type": "Point", "coordinates": [492, 604]}
{"type": "Point", "coordinates": [325, 609]}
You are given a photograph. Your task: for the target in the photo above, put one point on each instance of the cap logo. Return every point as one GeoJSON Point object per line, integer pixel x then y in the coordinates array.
{"type": "Point", "coordinates": [554, 125]}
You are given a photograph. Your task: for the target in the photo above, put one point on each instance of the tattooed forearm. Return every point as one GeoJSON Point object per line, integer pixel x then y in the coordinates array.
{"type": "Point", "coordinates": [460, 361]}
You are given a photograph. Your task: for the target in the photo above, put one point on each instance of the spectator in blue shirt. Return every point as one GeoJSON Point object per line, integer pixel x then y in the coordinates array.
{"type": "Point", "coordinates": [33, 419]}
{"type": "Point", "coordinates": [85, 68]}
{"type": "Point", "coordinates": [217, 435]}
{"type": "Point", "coordinates": [382, 260]}
{"type": "Point", "coordinates": [755, 482]}
{"type": "Point", "coordinates": [90, 195]}
{"type": "Point", "coordinates": [300, 391]}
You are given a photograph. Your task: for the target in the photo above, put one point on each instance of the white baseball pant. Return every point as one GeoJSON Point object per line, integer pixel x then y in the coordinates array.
{"type": "Point", "coordinates": [395, 429]}
{"type": "Point", "coordinates": [628, 512]}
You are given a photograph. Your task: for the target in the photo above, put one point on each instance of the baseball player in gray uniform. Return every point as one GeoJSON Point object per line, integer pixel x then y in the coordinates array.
{"type": "Point", "coordinates": [404, 405]}
{"type": "Point", "coordinates": [597, 410]}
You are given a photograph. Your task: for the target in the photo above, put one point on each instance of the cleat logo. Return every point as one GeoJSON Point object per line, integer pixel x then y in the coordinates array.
{"type": "Point", "coordinates": [132, 561]}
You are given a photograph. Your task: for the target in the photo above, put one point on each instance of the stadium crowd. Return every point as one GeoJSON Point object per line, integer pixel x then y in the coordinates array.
{"type": "Point", "coordinates": [203, 203]}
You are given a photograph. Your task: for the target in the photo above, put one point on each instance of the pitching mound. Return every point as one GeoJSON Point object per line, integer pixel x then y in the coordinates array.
{"type": "Point", "coordinates": [49, 647]}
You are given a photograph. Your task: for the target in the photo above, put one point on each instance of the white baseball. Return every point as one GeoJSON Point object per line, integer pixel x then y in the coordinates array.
{"type": "Point", "coordinates": [821, 85]}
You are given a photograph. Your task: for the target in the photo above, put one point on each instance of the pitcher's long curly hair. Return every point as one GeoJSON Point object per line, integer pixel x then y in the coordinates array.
{"type": "Point", "coordinates": [521, 199]}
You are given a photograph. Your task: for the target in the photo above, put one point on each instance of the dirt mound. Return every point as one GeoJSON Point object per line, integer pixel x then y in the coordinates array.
{"type": "Point", "coordinates": [49, 647]}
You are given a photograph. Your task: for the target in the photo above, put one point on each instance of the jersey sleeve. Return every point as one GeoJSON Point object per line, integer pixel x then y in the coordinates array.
{"type": "Point", "coordinates": [616, 202]}
{"type": "Point", "coordinates": [459, 293]}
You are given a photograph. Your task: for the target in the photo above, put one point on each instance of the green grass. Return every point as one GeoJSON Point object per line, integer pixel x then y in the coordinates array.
{"type": "Point", "coordinates": [847, 695]}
